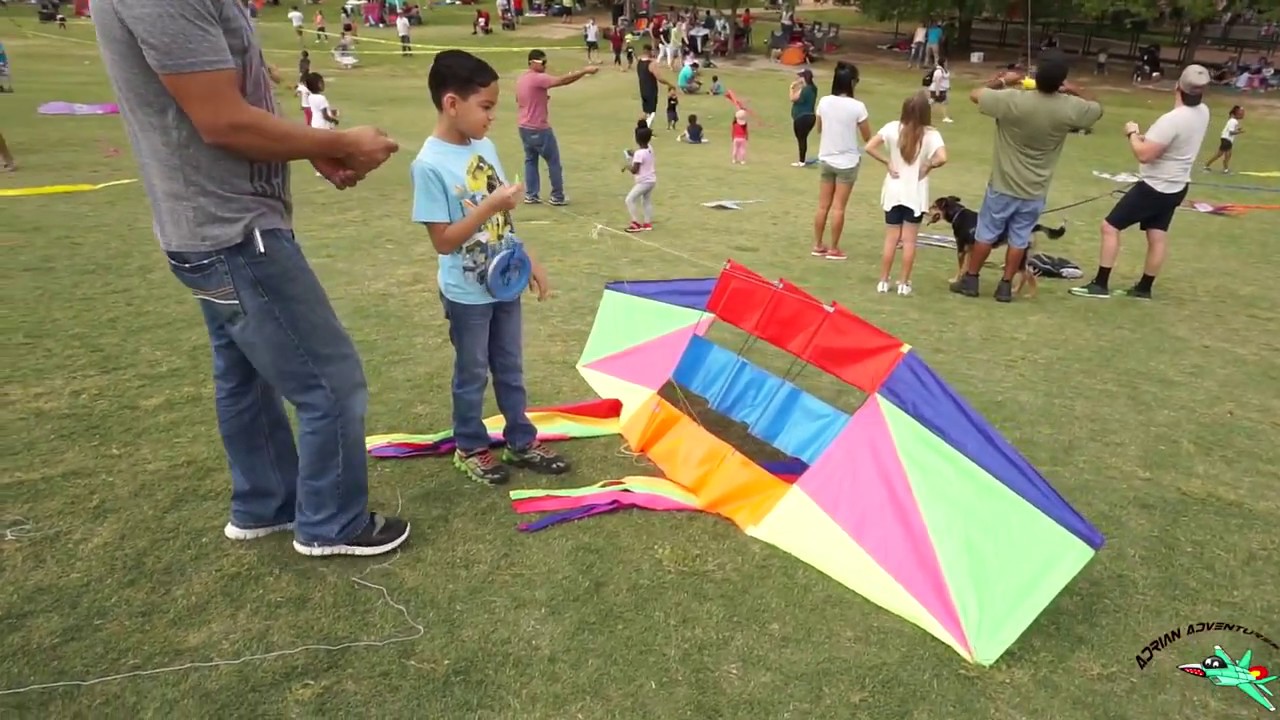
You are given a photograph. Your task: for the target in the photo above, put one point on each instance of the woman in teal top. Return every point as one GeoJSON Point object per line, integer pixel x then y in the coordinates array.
{"type": "Point", "coordinates": [804, 98]}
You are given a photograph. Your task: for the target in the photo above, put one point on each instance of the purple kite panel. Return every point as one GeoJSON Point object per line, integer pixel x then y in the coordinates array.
{"type": "Point", "coordinates": [915, 388]}
{"type": "Point", "coordinates": [691, 293]}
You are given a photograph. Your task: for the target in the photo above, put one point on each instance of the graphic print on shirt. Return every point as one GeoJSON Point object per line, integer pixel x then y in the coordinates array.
{"type": "Point", "coordinates": [269, 179]}
{"type": "Point", "coordinates": [496, 234]}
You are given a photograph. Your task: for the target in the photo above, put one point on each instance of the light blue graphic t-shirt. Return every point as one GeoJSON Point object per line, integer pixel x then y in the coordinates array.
{"type": "Point", "coordinates": [685, 77]}
{"type": "Point", "coordinates": [450, 181]}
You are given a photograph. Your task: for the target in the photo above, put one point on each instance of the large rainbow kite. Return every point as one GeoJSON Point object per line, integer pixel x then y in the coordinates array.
{"type": "Point", "coordinates": [913, 501]}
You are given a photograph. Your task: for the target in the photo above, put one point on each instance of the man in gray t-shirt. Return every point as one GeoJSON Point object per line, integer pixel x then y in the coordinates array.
{"type": "Point", "coordinates": [1166, 154]}
{"type": "Point", "coordinates": [195, 97]}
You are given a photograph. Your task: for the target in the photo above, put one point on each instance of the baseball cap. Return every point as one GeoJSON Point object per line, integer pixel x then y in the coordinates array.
{"type": "Point", "coordinates": [1194, 79]}
{"type": "Point", "coordinates": [805, 73]}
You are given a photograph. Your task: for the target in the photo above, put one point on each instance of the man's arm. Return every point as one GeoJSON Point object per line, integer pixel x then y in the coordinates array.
{"type": "Point", "coordinates": [573, 77]}
{"type": "Point", "coordinates": [996, 83]}
{"type": "Point", "coordinates": [1149, 147]}
{"type": "Point", "coordinates": [185, 46]}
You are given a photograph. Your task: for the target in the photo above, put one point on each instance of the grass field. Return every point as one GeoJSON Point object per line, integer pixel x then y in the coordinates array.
{"type": "Point", "coordinates": [1158, 421]}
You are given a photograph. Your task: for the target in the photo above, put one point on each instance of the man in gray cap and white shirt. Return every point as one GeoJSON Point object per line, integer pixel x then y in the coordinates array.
{"type": "Point", "coordinates": [1166, 154]}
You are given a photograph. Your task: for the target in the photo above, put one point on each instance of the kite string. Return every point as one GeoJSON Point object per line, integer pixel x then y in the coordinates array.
{"type": "Point", "coordinates": [418, 631]}
{"type": "Point", "coordinates": [22, 530]}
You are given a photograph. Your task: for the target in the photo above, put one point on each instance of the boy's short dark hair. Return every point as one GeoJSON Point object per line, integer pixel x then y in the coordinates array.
{"type": "Point", "coordinates": [643, 136]}
{"type": "Point", "coordinates": [312, 80]}
{"type": "Point", "coordinates": [693, 119]}
{"type": "Point", "coordinates": [715, 78]}
{"type": "Point", "coordinates": [460, 73]}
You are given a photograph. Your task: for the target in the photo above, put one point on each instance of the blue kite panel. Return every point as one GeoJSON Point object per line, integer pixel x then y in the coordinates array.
{"type": "Point", "coordinates": [691, 293]}
{"type": "Point", "coordinates": [915, 388]}
{"type": "Point", "coordinates": [773, 409]}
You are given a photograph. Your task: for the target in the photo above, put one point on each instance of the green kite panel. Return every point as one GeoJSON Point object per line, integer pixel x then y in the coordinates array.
{"type": "Point", "coordinates": [1003, 559]}
{"type": "Point", "coordinates": [625, 321]}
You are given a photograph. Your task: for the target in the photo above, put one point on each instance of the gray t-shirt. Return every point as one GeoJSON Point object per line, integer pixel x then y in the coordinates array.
{"type": "Point", "coordinates": [1181, 130]}
{"type": "Point", "coordinates": [202, 197]}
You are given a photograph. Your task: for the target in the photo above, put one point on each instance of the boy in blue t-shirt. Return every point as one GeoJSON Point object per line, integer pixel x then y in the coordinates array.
{"type": "Point", "coordinates": [461, 195]}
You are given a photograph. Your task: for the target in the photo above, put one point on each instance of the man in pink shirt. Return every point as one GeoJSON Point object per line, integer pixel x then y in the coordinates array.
{"type": "Point", "coordinates": [532, 96]}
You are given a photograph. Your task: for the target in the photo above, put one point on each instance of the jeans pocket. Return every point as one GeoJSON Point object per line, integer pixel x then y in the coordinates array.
{"type": "Point", "coordinates": [208, 278]}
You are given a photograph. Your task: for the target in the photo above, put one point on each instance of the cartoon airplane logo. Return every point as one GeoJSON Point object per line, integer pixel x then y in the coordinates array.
{"type": "Point", "coordinates": [1221, 670]}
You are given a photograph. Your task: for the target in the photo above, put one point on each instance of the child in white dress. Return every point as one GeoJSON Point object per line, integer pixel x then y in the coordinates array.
{"type": "Point", "coordinates": [915, 150]}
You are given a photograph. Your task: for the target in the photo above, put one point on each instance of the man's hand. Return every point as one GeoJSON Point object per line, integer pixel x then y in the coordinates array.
{"type": "Point", "coordinates": [590, 70]}
{"type": "Point", "coordinates": [341, 176]}
{"type": "Point", "coordinates": [506, 197]}
{"type": "Point", "coordinates": [367, 149]}
{"type": "Point", "coordinates": [538, 281]}
{"type": "Point", "coordinates": [1131, 128]}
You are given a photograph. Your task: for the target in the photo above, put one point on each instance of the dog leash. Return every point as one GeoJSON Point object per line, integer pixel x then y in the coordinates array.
{"type": "Point", "coordinates": [1109, 193]}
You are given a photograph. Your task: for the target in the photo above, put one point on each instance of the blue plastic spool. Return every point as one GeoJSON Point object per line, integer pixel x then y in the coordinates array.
{"type": "Point", "coordinates": [509, 273]}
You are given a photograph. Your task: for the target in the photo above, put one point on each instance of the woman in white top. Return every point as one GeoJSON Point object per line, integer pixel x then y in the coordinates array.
{"type": "Point", "coordinates": [841, 118]}
{"type": "Point", "coordinates": [915, 150]}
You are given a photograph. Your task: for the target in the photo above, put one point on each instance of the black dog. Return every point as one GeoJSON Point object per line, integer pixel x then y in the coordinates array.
{"type": "Point", "coordinates": [964, 226]}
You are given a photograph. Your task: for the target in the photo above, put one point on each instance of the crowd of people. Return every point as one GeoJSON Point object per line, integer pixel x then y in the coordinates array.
{"type": "Point", "coordinates": [199, 88]}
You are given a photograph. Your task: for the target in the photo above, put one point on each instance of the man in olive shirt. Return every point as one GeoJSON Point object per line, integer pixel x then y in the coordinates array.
{"type": "Point", "coordinates": [1031, 128]}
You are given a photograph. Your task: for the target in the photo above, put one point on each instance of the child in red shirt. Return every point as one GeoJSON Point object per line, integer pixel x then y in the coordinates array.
{"type": "Point", "coordinates": [740, 137]}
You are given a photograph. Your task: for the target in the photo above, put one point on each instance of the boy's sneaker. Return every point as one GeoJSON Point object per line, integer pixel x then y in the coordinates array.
{"type": "Point", "coordinates": [531, 200]}
{"type": "Point", "coordinates": [235, 532]}
{"type": "Point", "coordinates": [967, 285]}
{"type": "Point", "coordinates": [1092, 290]}
{"type": "Point", "coordinates": [1136, 292]}
{"type": "Point", "coordinates": [1004, 291]}
{"type": "Point", "coordinates": [538, 458]}
{"type": "Point", "coordinates": [559, 202]}
{"type": "Point", "coordinates": [904, 288]}
{"type": "Point", "coordinates": [882, 286]}
{"type": "Point", "coordinates": [646, 226]}
{"type": "Point", "coordinates": [819, 252]}
{"type": "Point", "coordinates": [381, 535]}
{"type": "Point", "coordinates": [483, 467]}
{"type": "Point", "coordinates": [635, 227]}
{"type": "Point", "coordinates": [834, 254]}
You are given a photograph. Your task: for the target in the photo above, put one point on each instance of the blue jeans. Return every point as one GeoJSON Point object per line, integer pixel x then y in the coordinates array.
{"type": "Point", "coordinates": [488, 338]}
{"type": "Point", "coordinates": [541, 144]}
{"type": "Point", "coordinates": [1008, 216]}
{"type": "Point", "coordinates": [275, 334]}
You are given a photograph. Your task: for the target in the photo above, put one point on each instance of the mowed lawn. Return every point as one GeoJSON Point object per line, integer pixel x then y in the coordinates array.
{"type": "Point", "coordinates": [1158, 421]}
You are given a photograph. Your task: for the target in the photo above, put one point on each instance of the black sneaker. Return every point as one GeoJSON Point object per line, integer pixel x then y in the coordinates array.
{"type": "Point", "coordinates": [967, 285]}
{"type": "Point", "coordinates": [1136, 292]}
{"type": "Point", "coordinates": [1092, 290]}
{"type": "Point", "coordinates": [1004, 291]}
{"type": "Point", "coordinates": [531, 200]}
{"type": "Point", "coordinates": [559, 202]}
{"type": "Point", "coordinates": [482, 467]}
{"type": "Point", "coordinates": [381, 535]}
{"type": "Point", "coordinates": [538, 458]}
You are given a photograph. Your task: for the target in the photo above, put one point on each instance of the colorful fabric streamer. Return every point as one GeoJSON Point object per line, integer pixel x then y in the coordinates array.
{"type": "Point", "coordinates": [593, 418]}
{"type": "Point", "coordinates": [1269, 173]}
{"type": "Point", "coordinates": [66, 108]}
{"type": "Point", "coordinates": [638, 492]}
{"type": "Point", "coordinates": [59, 189]}
{"type": "Point", "coordinates": [1224, 208]}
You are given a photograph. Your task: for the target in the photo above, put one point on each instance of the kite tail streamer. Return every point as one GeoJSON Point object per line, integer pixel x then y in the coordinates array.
{"type": "Point", "coordinates": [568, 516]}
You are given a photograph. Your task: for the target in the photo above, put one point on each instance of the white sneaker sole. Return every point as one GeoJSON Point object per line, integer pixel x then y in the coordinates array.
{"type": "Point", "coordinates": [357, 550]}
{"type": "Point", "coordinates": [240, 534]}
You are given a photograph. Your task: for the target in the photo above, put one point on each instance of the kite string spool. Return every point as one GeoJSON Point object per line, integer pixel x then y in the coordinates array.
{"type": "Point", "coordinates": [418, 631]}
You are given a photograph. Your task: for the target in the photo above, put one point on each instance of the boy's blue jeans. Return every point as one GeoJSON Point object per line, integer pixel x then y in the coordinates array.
{"type": "Point", "coordinates": [541, 144]}
{"type": "Point", "coordinates": [274, 333]}
{"type": "Point", "coordinates": [488, 339]}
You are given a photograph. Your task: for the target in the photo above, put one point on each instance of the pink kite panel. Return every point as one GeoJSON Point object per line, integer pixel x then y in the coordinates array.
{"type": "Point", "coordinates": [861, 484]}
